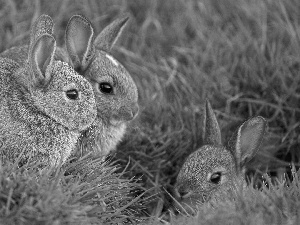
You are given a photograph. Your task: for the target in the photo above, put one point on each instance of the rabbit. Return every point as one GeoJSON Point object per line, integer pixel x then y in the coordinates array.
{"type": "Point", "coordinates": [43, 25]}
{"type": "Point", "coordinates": [115, 91]}
{"type": "Point", "coordinates": [212, 170]}
{"type": "Point", "coordinates": [45, 105]}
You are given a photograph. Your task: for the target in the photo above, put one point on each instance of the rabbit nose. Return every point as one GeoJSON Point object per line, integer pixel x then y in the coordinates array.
{"type": "Point", "coordinates": [183, 192]}
{"type": "Point", "coordinates": [205, 197]}
{"type": "Point", "coordinates": [126, 113]}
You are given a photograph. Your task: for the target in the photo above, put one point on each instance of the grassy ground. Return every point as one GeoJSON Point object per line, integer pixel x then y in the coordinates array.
{"type": "Point", "coordinates": [278, 204]}
{"type": "Point", "coordinates": [244, 55]}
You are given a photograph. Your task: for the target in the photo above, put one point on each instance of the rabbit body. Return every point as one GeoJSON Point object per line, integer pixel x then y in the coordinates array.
{"type": "Point", "coordinates": [115, 91]}
{"type": "Point", "coordinates": [18, 54]}
{"type": "Point", "coordinates": [44, 106]}
{"type": "Point", "coordinates": [114, 110]}
{"type": "Point", "coordinates": [90, 57]}
{"type": "Point", "coordinates": [214, 169]}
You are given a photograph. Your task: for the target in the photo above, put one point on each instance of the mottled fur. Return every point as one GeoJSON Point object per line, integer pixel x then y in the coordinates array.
{"type": "Point", "coordinates": [38, 120]}
{"type": "Point", "coordinates": [19, 54]}
{"type": "Point", "coordinates": [195, 183]}
{"type": "Point", "coordinates": [90, 57]}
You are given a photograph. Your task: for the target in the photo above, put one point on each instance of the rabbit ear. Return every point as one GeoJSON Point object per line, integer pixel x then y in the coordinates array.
{"type": "Point", "coordinates": [212, 133]}
{"type": "Point", "coordinates": [245, 142]}
{"type": "Point", "coordinates": [43, 25]}
{"type": "Point", "coordinates": [41, 56]}
{"type": "Point", "coordinates": [110, 34]}
{"type": "Point", "coordinates": [79, 41]}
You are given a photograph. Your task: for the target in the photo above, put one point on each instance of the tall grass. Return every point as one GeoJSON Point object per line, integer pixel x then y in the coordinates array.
{"type": "Point", "coordinates": [87, 191]}
{"type": "Point", "coordinates": [241, 54]}
{"type": "Point", "coordinates": [277, 204]}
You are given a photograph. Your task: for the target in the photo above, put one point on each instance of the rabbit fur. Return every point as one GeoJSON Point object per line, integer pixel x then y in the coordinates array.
{"type": "Point", "coordinates": [45, 105]}
{"type": "Point", "coordinates": [90, 57]}
{"type": "Point", "coordinates": [19, 54]}
{"type": "Point", "coordinates": [212, 170]}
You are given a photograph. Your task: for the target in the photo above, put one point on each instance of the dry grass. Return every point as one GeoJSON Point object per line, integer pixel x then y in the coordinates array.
{"type": "Point", "coordinates": [244, 55]}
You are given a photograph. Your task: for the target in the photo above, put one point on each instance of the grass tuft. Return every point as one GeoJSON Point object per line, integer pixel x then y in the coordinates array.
{"type": "Point", "coordinates": [244, 55]}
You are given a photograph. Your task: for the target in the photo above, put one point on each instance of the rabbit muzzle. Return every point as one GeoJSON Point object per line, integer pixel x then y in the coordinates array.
{"type": "Point", "coordinates": [184, 194]}
{"type": "Point", "coordinates": [186, 199]}
{"type": "Point", "coordinates": [124, 114]}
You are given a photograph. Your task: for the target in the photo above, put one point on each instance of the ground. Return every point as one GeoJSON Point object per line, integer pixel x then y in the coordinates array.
{"type": "Point", "coordinates": [243, 55]}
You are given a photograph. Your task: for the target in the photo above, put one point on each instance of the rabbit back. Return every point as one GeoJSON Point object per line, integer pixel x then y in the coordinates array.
{"type": "Point", "coordinates": [42, 25]}
{"type": "Point", "coordinates": [18, 54]}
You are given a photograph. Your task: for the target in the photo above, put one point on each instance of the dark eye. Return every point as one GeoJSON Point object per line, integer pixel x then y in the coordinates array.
{"type": "Point", "coordinates": [72, 94]}
{"type": "Point", "coordinates": [216, 177]}
{"type": "Point", "coordinates": [106, 88]}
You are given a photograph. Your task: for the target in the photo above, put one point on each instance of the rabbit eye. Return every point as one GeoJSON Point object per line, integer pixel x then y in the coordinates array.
{"type": "Point", "coordinates": [72, 94]}
{"type": "Point", "coordinates": [106, 88]}
{"type": "Point", "coordinates": [216, 178]}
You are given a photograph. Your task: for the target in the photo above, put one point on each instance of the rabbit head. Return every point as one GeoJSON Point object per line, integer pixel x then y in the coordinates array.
{"type": "Point", "coordinates": [213, 169]}
{"type": "Point", "coordinates": [115, 91]}
{"type": "Point", "coordinates": [56, 89]}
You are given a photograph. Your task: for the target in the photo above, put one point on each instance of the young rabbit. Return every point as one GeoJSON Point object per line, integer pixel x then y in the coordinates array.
{"type": "Point", "coordinates": [213, 169]}
{"type": "Point", "coordinates": [44, 106]}
{"type": "Point", "coordinates": [115, 91]}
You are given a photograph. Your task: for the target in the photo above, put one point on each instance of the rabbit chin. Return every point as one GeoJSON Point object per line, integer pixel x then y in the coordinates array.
{"type": "Point", "coordinates": [108, 135]}
{"type": "Point", "coordinates": [188, 205]}
{"type": "Point", "coordinates": [117, 123]}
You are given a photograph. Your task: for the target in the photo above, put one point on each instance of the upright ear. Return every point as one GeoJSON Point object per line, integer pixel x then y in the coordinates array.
{"type": "Point", "coordinates": [246, 141]}
{"type": "Point", "coordinates": [110, 34]}
{"type": "Point", "coordinates": [212, 133]}
{"type": "Point", "coordinates": [79, 41]}
{"type": "Point", "coordinates": [43, 25]}
{"type": "Point", "coordinates": [40, 57]}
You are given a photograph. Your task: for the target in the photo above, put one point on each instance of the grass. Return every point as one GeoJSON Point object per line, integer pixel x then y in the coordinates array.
{"type": "Point", "coordinates": [87, 191]}
{"type": "Point", "coordinates": [277, 204]}
{"type": "Point", "coordinates": [244, 55]}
